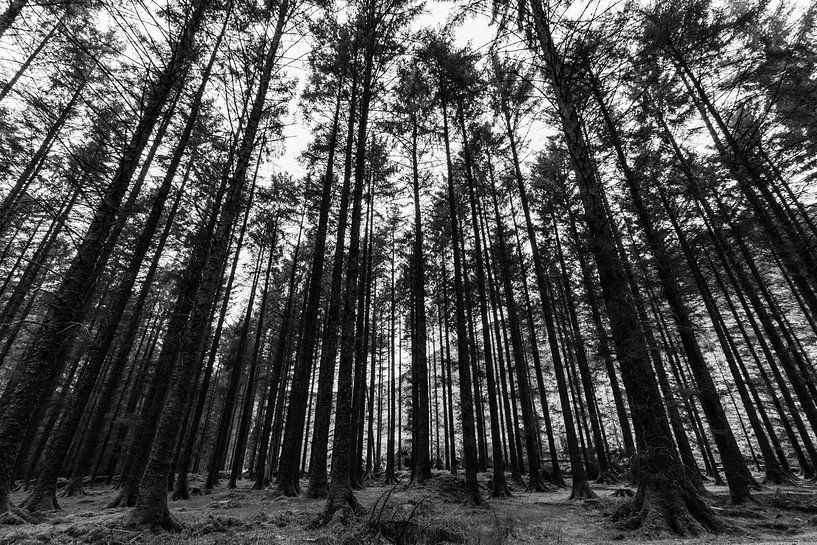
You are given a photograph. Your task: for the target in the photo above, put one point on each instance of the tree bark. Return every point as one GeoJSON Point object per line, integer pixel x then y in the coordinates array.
{"type": "Point", "coordinates": [44, 359]}
{"type": "Point", "coordinates": [151, 508]}
{"type": "Point", "coordinates": [666, 499]}
{"type": "Point", "coordinates": [469, 441]}
{"type": "Point", "coordinates": [318, 479]}
{"type": "Point", "coordinates": [422, 464]}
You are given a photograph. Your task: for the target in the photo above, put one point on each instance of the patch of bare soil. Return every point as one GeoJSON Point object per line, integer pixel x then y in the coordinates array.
{"type": "Point", "coordinates": [431, 513]}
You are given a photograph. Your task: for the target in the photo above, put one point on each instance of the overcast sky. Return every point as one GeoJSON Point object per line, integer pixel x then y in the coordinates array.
{"type": "Point", "coordinates": [475, 30]}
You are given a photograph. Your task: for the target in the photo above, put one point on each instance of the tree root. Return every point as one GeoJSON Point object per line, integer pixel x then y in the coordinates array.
{"type": "Point", "coordinates": [517, 479]}
{"type": "Point", "coordinates": [125, 498]}
{"type": "Point", "coordinates": [14, 516]}
{"type": "Point", "coordinates": [73, 488]}
{"type": "Point", "coordinates": [502, 492]}
{"type": "Point", "coordinates": [623, 493]}
{"type": "Point", "coordinates": [180, 493]}
{"type": "Point", "coordinates": [581, 491]}
{"type": "Point", "coordinates": [779, 477]}
{"type": "Point", "coordinates": [539, 486]}
{"type": "Point", "coordinates": [555, 479]}
{"type": "Point", "coordinates": [155, 519]}
{"type": "Point", "coordinates": [317, 491]}
{"type": "Point", "coordinates": [290, 490]}
{"type": "Point", "coordinates": [40, 501]}
{"type": "Point", "coordinates": [260, 485]}
{"type": "Point", "coordinates": [499, 491]}
{"type": "Point", "coordinates": [337, 503]}
{"type": "Point", "coordinates": [474, 499]}
{"type": "Point", "coordinates": [667, 504]}
{"type": "Point", "coordinates": [181, 488]}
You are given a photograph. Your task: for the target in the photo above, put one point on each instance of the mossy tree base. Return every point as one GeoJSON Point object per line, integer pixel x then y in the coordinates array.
{"type": "Point", "coordinates": [155, 518]}
{"type": "Point", "coordinates": [73, 488]}
{"type": "Point", "coordinates": [581, 491]}
{"type": "Point", "coordinates": [14, 516]}
{"type": "Point", "coordinates": [667, 503]}
{"type": "Point", "coordinates": [126, 497]}
{"type": "Point", "coordinates": [40, 501]}
{"type": "Point", "coordinates": [337, 502]}
{"type": "Point", "coordinates": [290, 490]}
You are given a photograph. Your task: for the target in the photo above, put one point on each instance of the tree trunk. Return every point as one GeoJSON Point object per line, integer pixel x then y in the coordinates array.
{"type": "Point", "coordinates": [502, 379]}
{"type": "Point", "coordinates": [44, 360]}
{"type": "Point", "coordinates": [245, 414]}
{"type": "Point", "coordinates": [737, 474]}
{"type": "Point", "coordinates": [390, 477]}
{"type": "Point", "coordinates": [666, 499]}
{"type": "Point", "coordinates": [222, 434]}
{"type": "Point", "coordinates": [774, 472]}
{"type": "Point", "coordinates": [9, 85]}
{"type": "Point", "coordinates": [605, 476]}
{"type": "Point", "coordinates": [469, 441]}
{"type": "Point", "coordinates": [276, 374]}
{"type": "Point", "coordinates": [535, 482]}
{"type": "Point", "coordinates": [343, 449]}
{"type": "Point", "coordinates": [43, 497]}
{"type": "Point", "coordinates": [580, 487]}
{"type": "Point", "coordinates": [601, 333]}
{"type": "Point", "coordinates": [151, 508]}
{"type": "Point", "coordinates": [318, 479]}
{"type": "Point", "coordinates": [36, 264]}
{"type": "Point", "coordinates": [422, 464]}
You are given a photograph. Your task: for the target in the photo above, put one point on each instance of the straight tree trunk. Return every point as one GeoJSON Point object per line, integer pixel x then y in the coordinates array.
{"type": "Point", "coordinates": [605, 475]}
{"type": "Point", "coordinates": [44, 359]}
{"type": "Point", "coordinates": [340, 489]}
{"type": "Point", "coordinates": [534, 344]}
{"type": "Point", "coordinates": [276, 375]}
{"type": "Point", "coordinates": [601, 333]}
{"type": "Point", "coordinates": [666, 498]}
{"type": "Point", "coordinates": [796, 251]}
{"type": "Point", "coordinates": [422, 464]}
{"type": "Point", "coordinates": [390, 477]}
{"type": "Point", "coordinates": [535, 482]}
{"type": "Point", "coordinates": [220, 445]}
{"type": "Point", "coordinates": [35, 266]}
{"type": "Point", "coordinates": [43, 497]}
{"type": "Point", "coordinates": [245, 414]}
{"type": "Point", "coordinates": [151, 508]}
{"type": "Point", "coordinates": [469, 441]}
{"type": "Point", "coordinates": [737, 474]}
{"type": "Point", "coordinates": [502, 379]}
{"type": "Point", "coordinates": [9, 85]}
{"type": "Point", "coordinates": [580, 487]}
{"type": "Point", "coordinates": [774, 472]}
{"type": "Point", "coordinates": [318, 478]}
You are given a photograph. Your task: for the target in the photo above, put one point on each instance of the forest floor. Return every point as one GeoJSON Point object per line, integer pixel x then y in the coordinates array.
{"type": "Point", "coordinates": [434, 510]}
